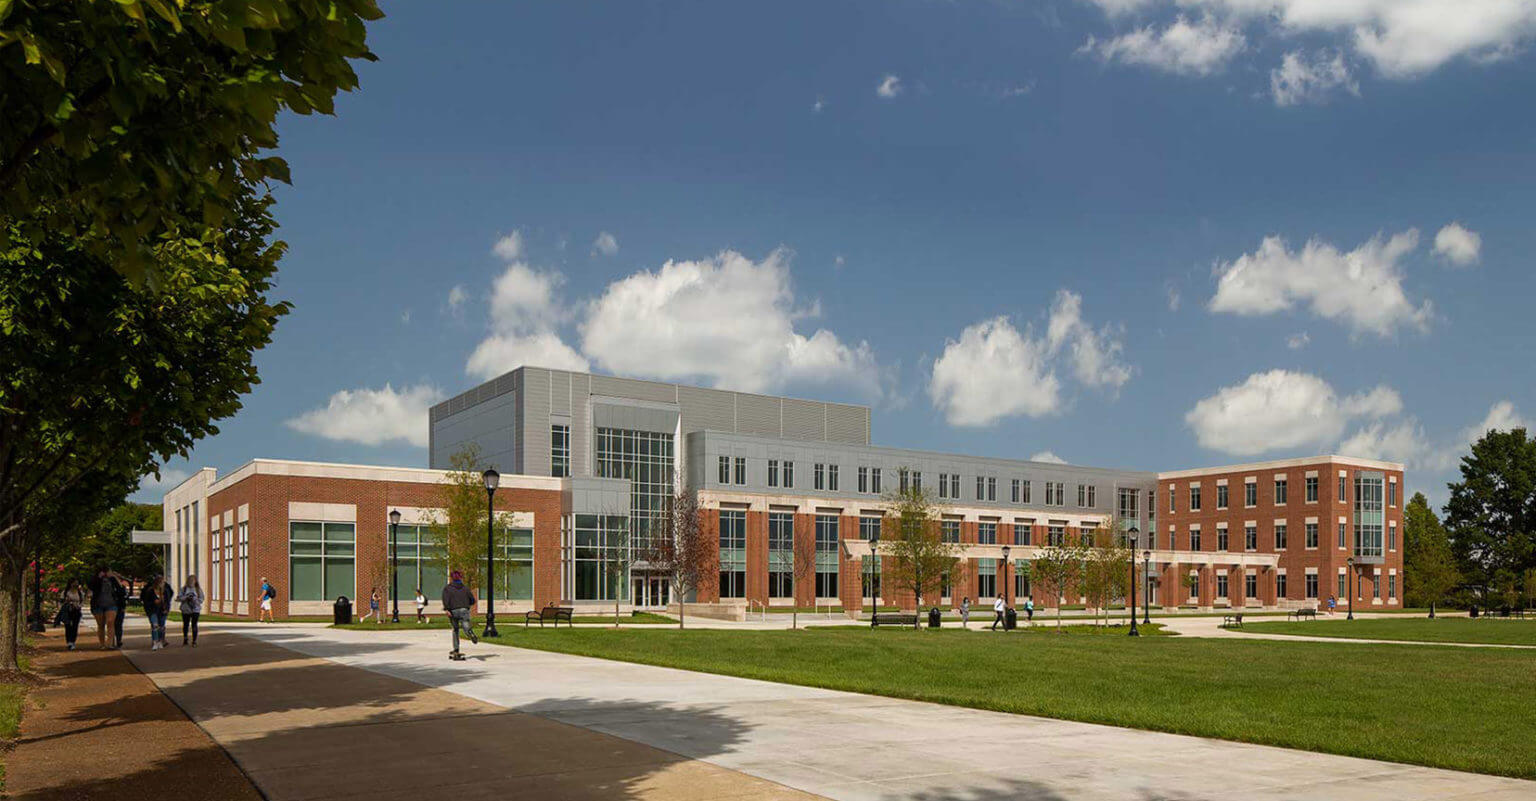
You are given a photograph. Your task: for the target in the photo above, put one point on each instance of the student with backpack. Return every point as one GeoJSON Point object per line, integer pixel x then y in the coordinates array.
{"type": "Point", "coordinates": [268, 595]}
{"type": "Point", "coordinates": [421, 608]}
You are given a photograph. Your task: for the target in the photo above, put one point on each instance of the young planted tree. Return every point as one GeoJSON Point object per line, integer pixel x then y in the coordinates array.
{"type": "Point", "coordinates": [1059, 566]}
{"type": "Point", "coordinates": [458, 531]}
{"type": "Point", "coordinates": [678, 547]}
{"type": "Point", "coordinates": [1107, 565]}
{"type": "Point", "coordinates": [617, 560]}
{"type": "Point", "coordinates": [1429, 567]}
{"type": "Point", "coordinates": [800, 564]}
{"type": "Point", "coordinates": [1191, 583]}
{"type": "Point", "coordinates": [916, 555]}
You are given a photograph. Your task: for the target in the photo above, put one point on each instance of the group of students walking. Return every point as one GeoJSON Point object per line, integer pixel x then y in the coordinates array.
{"type": "Point", "coordinates": [106, 594]}
{"type": "Point", "coordinates": [999, 610]}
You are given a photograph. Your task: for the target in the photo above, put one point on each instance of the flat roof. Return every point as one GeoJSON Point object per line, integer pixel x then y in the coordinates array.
{"type": "Point", "coordinates": [1278, 464]}
{"type": "Point", "coordinates": [417, 475]}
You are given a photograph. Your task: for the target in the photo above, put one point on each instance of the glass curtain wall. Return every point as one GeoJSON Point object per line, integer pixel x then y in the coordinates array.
{"type": "Point", "coordinates": [1368, 514]}
{"type": "Point", "coordinates": [826, 556]}
{"type": "Point", "coordinates": [781, 555]}
{"type": "Point", "coordinates": [321, 561]}
{"type": "Point", "coordinates": [733, 553]}
{"type": "Point", "coordinates": [597, 541]}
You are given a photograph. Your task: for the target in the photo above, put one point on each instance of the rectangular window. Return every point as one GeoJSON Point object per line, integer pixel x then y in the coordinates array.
{"type": "Point", "coordinates": [1251, 538]}
{"type": "Point", "coordinates": [904, 478]}
{"type": "Point", "coordinates": [991, 488]}
{"type": "Point", "coordinates": [981, 488]}
{"type": "Point", "coordinates": [1023, 532]}
{"type": "Point", "coordinates": [1221, 586]}
{"type": "Point", "coordinates": [1055, 533]}
{"type": "Point", "coordinates": [1311, 536]}
{"type": "Point", "coordinates": [1342, 533]}
{"type": "Point", "coordinates": [943, 485]}
{"type": "Point", "coordinates": [781, 555]}
{"type": "Point", "coordinates": [321, 560]}
{"type": "Point", "coordinates": [1282, 490]}
{"type": "Point", "coordinates": [917, 480]}
{"type": "Point", "coordinates": [949, 530]}
{"type": "Point", "coordinates": [741, 470]}
{"type": "Point", "coordinates": [1376, 586]}
{"type": "Point", "coordinates": [1015, 494]}
{"type": "Point", "coordinates": [1194, 539]}
{"type": "Point", "coordinates": [560, 451]}
{"type": "Point", "coordinates": [1152, 539]}
{"type": "Point", "coordinates": [826, 556]}
{"type": "Point", "coordinates": [646, 458]}
{"type": "Point", "coordinates": [1280, 536]}
{"type": "Point", "coordinates": [1392, 586]}
{"type": "Point", "coordinates": [1082, 495]}
{"type": "Point", "coordinates": [773, 472]}
{"type": "Point", "coordinates": [789, 474]}
{"type": "Point", "coordinates": [874, 480]}
{"type": "Point", "coordinates": [1221, 539]}
{"type": "Point", "coordinates": [725, 470]}
{"type": "Point", "coordinates": [1343, 586]}
{"type": "Point", "coordinates": [819, 476]}
{"type": "Point", "coordinates": [1280, 588]}
{"type": "Point", "coordinates": [1025, 498]}
{"type": "Point", "coordinates": [1343, 488]}
{"type": "Point", "coordinates": [863, 479]}
{"type": "Point", "coordinates": [1172, 500]}
{"type": "Point", "coordinates": [733, 553]}
{"type": "Point", "coordinates": [1093, 501]}
{"type": "Point", "coordinates": [1369, 514]}
{"type": "Point", "coordinates": [1311, 584]}
{"type": "Point", "coordinates": [1392, 493]}
{"type": "Point", "coordinates": [1221, 496]}
{"type": "Point", "coordinates": [832, 478]}
{"type": "Point", "coordinates": [596, 543]}
{"type": "Point", "coordinates": [986, 578]}
{"type": "Point", "coordinates": [986, 533]}
{"type": "Point", "coordinates": [1251, 586]}
{"type": "Point", "coordinates": [1250, 494]}
{"type": "Point", "coordinates": [1194, 499]}
{"type": "Point", "coordinates": [1392, 537]}
{"type": "Point", "coordinates": [245, 561]}
{"type": "Point", "coordinates": [1312, 490]}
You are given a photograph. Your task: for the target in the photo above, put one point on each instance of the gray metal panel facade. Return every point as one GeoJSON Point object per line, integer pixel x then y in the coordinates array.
{"type": "Point", "coordinates": [707, 409]}
{"type": "Point", "coordinates": [704, 449]}
{"type": "Point", "coordinates": [804, 420]}
{"type": "Point", "coordinates": [757, 415]}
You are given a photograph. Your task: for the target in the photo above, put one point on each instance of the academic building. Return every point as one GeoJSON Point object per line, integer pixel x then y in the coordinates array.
{"type": "Point", "coordinates": [588, 462]}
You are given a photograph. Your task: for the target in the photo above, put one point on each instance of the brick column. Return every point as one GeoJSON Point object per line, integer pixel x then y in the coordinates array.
{"type": "Point", "coordinates": [757, 557]}
{"type": "Point", "coordinates": [805, 547]}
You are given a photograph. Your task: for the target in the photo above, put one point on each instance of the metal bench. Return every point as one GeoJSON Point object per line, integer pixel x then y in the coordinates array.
{"type": "Point", "coordinates": [894, 619]}
{"type": "Point", "coordinates": [1232, 621]}
{"type": "Point", "coordinates": [1300, 614]}
{"type": "Point", "coordinates": [551, 613]}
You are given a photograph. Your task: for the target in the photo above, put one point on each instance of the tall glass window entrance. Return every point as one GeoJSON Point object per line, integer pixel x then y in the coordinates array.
{"type": "Point", "coordinates": [646, 459]}
{"type": "Point", "coordinates": [597, 542]}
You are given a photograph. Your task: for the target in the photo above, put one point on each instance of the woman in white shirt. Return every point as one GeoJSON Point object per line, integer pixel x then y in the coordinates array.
{"type": "Point", "coordinates": [421, 607]}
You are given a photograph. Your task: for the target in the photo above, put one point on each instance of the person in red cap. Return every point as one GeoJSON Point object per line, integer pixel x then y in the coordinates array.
{"type": "Point", "coordinates": [459, 603]}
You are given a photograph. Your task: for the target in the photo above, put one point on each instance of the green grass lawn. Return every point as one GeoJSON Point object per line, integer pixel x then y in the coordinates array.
{"type": "Point", "coordinates": [504, 620]}
{"type": "Point", "coordinates": [13, 695]}
{"type": "Point", "coordinates": [1441, 629]}
{"type": "Point", "coordinates": [1465, 709]}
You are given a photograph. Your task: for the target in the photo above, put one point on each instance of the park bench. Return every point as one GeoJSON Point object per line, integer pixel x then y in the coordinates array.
{"type": "Point", "coordinates": [551, 613]}
{"type": "Point", "coordinates": [1232, 621]}
{"type": "Point", "coordinates": [1298, 614]}
{"type": "Point", "coordinates": [895, 619]}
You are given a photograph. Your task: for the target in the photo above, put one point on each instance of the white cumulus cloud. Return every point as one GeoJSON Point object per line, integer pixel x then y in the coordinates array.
{"type": "Point", "coordinates": [1047, 456]}
{"type": "Point", "coordinates": [372, 416]}
{"type": "Point", "coordinates": [1299, 79]}
{"type": "Point", "coordinates": [889, 87]}
{"type": "Point", "coordinates": [499, 353]}
{"type": "Point", "coordinates": [994, 371]}
{"type": "Point", "coordinates": [1298, 341]}
{"type": "Point", "coordinates": [1095, 355]}
{"type": "Point", "coordinates": [509, 247]}
{"type": "Point", "coordinates": [1404, 441]}
{"type": "Point", "coordinates": [526, 311]}
{"type": "Point", "coordinates": [1183, 47]}
{"type": "Point", "coordinates": [1281, 409]}
{"type": "Point", "coordinates": [606, 244]}
{"type": "Point", "coordinates": [1458, 245]}
{"type": "Point", "coordinates": [456, 298]}
{"type": "Point", "coordinates": [1361, 288]}
{"type": "Point", "coordinates": [728, 321]}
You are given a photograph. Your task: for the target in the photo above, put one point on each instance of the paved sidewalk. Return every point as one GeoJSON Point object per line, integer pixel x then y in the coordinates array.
{"type": "Point", "coordinates": [849, 746]}
{"type": "Point", "coordinates": [98, 728]}
{"type": "Point", "coordinates": [313, 728]}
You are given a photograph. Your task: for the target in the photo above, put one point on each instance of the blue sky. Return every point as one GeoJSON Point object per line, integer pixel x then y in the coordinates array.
{"type": "Point", "coordinates": [1137, 233]}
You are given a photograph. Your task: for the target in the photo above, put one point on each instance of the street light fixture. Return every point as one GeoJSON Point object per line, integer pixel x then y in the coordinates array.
{"type": "Point", "coordinates": [394, 565]}
{"type": "Point", "coordinates": [1006, 599]}
{"type": "Point", "coordinates": [1146, 577]}
{"type": "Point", "coordinates": [874, 599]}
{"type": "Point", "coordinates": [1134, 532]}
{"type": "Point", "coordinates": [1350, 585]}
{"type": "Point", "coordinates": [492, 480]}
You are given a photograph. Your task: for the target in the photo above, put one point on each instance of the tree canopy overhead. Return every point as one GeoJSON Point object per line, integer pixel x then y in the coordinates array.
{"type": "Point", "coordinates": [1491, 514]}
{"type": "Point", "coordinates": [133, 120]}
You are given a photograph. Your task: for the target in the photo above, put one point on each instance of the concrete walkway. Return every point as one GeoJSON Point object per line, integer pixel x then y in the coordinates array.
{"type": "Point", "coordinates": [304, 727]}
{"type": "Point", "coordinates": [848, 746]}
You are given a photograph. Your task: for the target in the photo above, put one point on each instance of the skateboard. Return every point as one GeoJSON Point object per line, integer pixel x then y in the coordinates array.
{"type": "Point", "coordinates": [456, 656]}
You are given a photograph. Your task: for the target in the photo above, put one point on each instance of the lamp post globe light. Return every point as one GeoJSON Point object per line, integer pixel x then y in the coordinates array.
{"type": "Point", "coordinates": [492, 479]}
{"type": "Point", "coordinates": [1146, 577]}
{"type": "Point", "coordinates": [1350, 585]}
{"type": "Point", "coordinates": [1134, 532]}
{"type": "Point", "coordinates": [874, 542]}
{"type": "Point", "coordinates": [1004, 578]}
{"type": "Point", "coordinates": [394, 565]}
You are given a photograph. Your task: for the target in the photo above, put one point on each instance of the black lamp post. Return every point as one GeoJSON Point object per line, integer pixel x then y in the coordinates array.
{"type": "Point", "coordinates": [874, 599]}
{"type": "Point", "coordinates": [1146, 577]}
{"type": "Point", "coordinates": [394, 565]}
{"type": "Point", "coordinates": [1133, 532]}
{"type": "Point", "coordinates": [1350, 585]}
{"type": "Point", "coordinates": [492, 479]}
{"type": "Point", "coordinates": [1006, 600]}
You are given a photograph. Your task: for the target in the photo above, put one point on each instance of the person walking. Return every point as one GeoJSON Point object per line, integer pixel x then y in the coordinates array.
{"type": "Point", "coordinates": [156, 597]}
{"type": "Point", "coordinates": [373, 607]}
{"type": "Point", "coordinates": [421, 608]}
{"type": "Point", "coordinates": [997, 611]}
{"type": "Point", "coordinates": [191, 600]}
{"type": "Point", "coordinates": [103, 605]}
{"type": "Point", "coordinates": [268, 595]}
{"type": "Point", "coordinates": [1029, 608]}
{"type": "Point", "coordinates": [120, 600]}
{"type": "Point", "coordinates": [965, 612]}
{"type": "Point", "coordinates": [70, 605]}
{"type": "Point", "coordinates": [1332, 603]}
{"type": "Point", "coordinates": [458, 602]}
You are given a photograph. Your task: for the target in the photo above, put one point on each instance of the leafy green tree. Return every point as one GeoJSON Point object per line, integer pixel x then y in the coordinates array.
{"type": "Point", "coordinates": [1106, 567]}
{"type": "Point", "coordinates": [459, 529]}
{"type": "Point", "coordinates": [1058, 567]}
{"type": "Point", "coordinates": [1491, 515]}
{"type": "Point", "coordinates": [133, 121]}
{"type": "Point", "coordinates": [1429, 568]}
{"type": "Point", "coordinates": [916, 555]}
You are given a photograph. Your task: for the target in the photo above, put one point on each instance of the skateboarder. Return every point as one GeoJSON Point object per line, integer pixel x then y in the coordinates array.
{"type": "Point", "coordinates": [458, 601]}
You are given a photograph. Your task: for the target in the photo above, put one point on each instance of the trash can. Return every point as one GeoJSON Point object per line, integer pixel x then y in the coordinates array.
{"type": "Point", "coordinates": [1010, 619]}
{"type": "Point", "coordinates": [1474, 610]}
{"type": "Point", "coordinates": [343, 611]}
{"type": "Point", "coordinates": [933, 618]}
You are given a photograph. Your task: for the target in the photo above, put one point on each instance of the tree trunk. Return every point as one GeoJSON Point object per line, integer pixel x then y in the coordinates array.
{"type": "Point", "coordinates": [1431, 610]}
{"type": "Point", "coordinates": [10, 615]}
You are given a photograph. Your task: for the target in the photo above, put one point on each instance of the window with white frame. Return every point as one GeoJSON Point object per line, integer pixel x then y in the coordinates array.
{"type": "Point", "coordinates": [741, 470]}
{"type": "Point", "coordinates": [321, 560]}
{"type": "Point", "coordinates": [781, 554]}
{"type": "Point", "coordinates": [832, 478]}
{"type": "Point", "coordinates": [1280, 536]}
{"type": "Point", "coordinates": [725, 470]}
{"type": "Point", "coordinates": [1281, 491]}
{"type": "Point", "coordinates": [733, 553]}
{"type": "Point", "coordinates": [773, 472]}
{"type": "Point", "coordinates": [1251, 494]}
{"type": "Point", "coordinates": [986, 532]}
{"type": "Point", "coordinates": [826, 556]}
{"type": "Point", "coordinates": [874, 480]}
